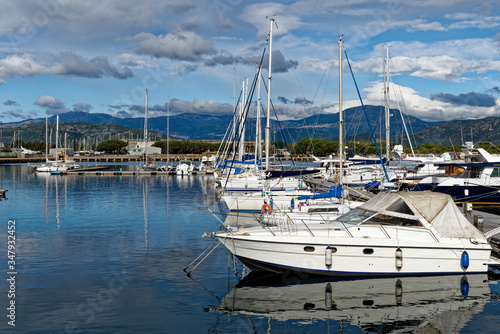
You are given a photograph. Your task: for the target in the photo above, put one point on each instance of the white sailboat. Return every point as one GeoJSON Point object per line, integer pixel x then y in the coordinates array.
{"type": "Point", "coordinates": [53, 166]}
{"type": "Point", "coordinates": [146, 164]}
{"type": "Point", "coordinates": [255, 188]}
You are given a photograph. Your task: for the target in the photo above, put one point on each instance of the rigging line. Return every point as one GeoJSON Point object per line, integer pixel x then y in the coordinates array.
{"type": "Point", "coordinates": [369, 126]}
{"type": "Point", "coordinates": [402, 117]}
{"type": "Point", "coordinates": [242, 122]}
{"type": "Point", "coordinates": [281, 129]}
{"type": "Point", "coordinates": [391, 64]}
{"type": "Point", "coordinates": [223, 148]}
{"type": "Point", "coordinates": [286, 64]}
{"type": "Point", "coordinates": [246, 110]}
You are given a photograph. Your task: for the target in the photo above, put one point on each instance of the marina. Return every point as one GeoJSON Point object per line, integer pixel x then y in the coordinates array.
{"type": "Point", "coordinates": [136, 233]}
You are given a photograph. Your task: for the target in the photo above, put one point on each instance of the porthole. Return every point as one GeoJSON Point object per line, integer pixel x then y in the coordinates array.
{"type": "Point", "coordinates": [308, 249]}
{"type": "Point", "coordinates": [368, 251]}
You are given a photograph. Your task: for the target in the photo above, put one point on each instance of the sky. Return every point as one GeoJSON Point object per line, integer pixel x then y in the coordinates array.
{"type": "Point", "coordinates": [100, 56]}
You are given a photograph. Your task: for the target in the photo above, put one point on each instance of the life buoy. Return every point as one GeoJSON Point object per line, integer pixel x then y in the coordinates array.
{"type": "Point", "coordinates": [266, 208]}
{"type": "Point", "coordinates": [300, 206]}
{"type": "Point", "coordinates": [403, 155]}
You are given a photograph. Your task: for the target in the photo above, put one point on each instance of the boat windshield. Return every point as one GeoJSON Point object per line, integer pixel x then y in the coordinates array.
{"type": "Point", "coordinates": [382, 219]}
{"type": "Point", "coordinates": [356, 216]}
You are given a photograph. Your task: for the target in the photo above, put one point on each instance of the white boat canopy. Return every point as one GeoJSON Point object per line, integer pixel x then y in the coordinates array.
{"type": "Point", "coordinates": [437, 209]}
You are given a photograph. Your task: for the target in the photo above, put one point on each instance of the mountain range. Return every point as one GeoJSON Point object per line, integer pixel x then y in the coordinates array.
{"type": "Point", "coordinates": [326, 126]}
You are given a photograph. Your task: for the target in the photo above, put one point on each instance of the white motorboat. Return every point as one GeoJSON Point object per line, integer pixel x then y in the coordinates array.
{"type": "Point", "coordinates": [185, 167]}
{"type": "Point", "coordinates": [408, 233]}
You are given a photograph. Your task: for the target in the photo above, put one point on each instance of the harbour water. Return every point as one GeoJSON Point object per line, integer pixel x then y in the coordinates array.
{"type": "Point", "coordinates": [105, 254]}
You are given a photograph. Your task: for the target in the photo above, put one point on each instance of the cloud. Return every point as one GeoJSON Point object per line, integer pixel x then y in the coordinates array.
{"type": "Point", "coordinates": [442, 68]}
{"type": "Point", "coordinates": [470, 99]}
{"type": "Point", "coordinates": [420, 25]}
{"type": "Point", "coordinates": [51, 105]}
{"type": "Point", "coordinates": [177, 106]}
{"type": "Point", "coordinates": [71, 64]}
{"type": "Point", "coordinates": [85, 107]}
{"type": "Point", "coordinates": [10, 103]}
{"type": "Point", "coordinates": [494, 90]}
{"type": "Point", "coordinates": [302, 101]}
{"type": "Point", "coordinates": [283, 100]}
{"type": "Point", "coordinates": [223, 58]}
{"type": "Point", "coordinates": [18, 113]}
{"type": "Point", "coordinates": [179, 7]}
{"type": "Point", "coordinates": [66, 64]}
{"type": "Point", "coordinates": [412, 103]}
{"type": "Point", "coordinates": [181, 45]}
{"type": "Point", "coordinates": [258, 15]}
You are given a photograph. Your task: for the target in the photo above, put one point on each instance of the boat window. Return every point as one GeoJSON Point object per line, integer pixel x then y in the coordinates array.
{"type": "Point", "coordinates": [400, 206]}
{"type": "Point", "coordinates": [368, 251]}
{"type": "Point", "coordinates": [308, 249]}
{"type": "Point", "coordinates": [390, 220]}
{"type": "Point", "coordinates": [495, 173]}
{"type": "Point", "coordinates": [355, 216]}
{"type": "Point", "coordinates": [326, 209]}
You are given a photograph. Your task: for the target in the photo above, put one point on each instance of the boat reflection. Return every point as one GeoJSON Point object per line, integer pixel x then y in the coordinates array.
{"type": "Point", "coordinates": [437, 304]}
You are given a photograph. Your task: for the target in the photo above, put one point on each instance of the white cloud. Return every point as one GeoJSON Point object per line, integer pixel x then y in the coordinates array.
{"type": "Point", "coordinates": [181, 45]}
{"type": "Point", "coordinates": [412, 103]}
{"type": "Point", "coordinates": [259, 15]}
{"type": "Point", "coordinates": [52, 105]}
{"type": "Point", "coordinates": [66, 64]}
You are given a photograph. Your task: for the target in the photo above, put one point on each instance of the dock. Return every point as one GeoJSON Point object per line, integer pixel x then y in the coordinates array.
{"type": "Point", "coordinates": [126, 173]}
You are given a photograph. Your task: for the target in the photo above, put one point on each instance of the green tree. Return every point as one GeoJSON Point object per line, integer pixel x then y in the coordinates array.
{"type": "Point", "coordinates": [112, 146]}
{"type": "Point", "coordinates": [319, 147]}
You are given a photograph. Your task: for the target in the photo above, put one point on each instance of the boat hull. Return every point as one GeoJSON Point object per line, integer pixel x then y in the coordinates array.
{"type": "Point", "coordinates": [356, 257]}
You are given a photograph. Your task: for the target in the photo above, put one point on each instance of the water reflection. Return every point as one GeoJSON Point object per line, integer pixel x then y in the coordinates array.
{"type": "Point", "coordinates": [440, 304]}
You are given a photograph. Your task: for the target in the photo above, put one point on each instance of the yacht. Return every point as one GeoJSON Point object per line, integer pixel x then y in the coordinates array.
{"type": "Point", "coordinates": [405, 233]}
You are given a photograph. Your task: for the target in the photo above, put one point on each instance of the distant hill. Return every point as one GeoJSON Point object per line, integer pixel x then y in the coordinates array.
{"type": "Point", "coordinates": [93, 133]}
{"type": "Point", "coordinates": [209, 127]}
{"type": "Point", "coordinates": [485, 129]}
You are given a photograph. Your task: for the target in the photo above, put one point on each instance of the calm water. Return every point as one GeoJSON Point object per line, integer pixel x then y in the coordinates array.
{"type": "Point", "coordinates": [98, 254]}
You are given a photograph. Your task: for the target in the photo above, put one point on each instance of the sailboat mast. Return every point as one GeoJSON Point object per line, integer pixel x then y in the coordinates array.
{"type": "Point", "coordinates": [258, 137]}
{"type": "Point", "coordinates": [268, 116]}
{"type": "Point", "coordinates": [57, 137]}
{"type": "Point", "coordinates": [146, 129]}
{"type": "Point", "coordinates": [386, 100]}
{"type": "Point", "coordinates": [46, 140]}
{"type": "Point", "coordinates": [341, 119]}
{"type": "Point", "coordinates": [168, 130]}
{"type": "Point", "coordinates": [241, 148]}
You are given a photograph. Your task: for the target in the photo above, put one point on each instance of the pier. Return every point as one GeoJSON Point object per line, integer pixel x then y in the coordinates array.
{"type": "Point", "coordinates": [122, 158]}
{"type": "Point", "coordinates": [126, 173]}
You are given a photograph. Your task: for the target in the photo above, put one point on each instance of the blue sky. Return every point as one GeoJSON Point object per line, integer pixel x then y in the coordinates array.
{"type": "Point", "coordinates": [100, 56]}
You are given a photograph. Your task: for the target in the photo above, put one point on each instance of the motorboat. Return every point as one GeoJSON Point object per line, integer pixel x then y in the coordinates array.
{"type": "Point", "coordinates": [394, 233]}
{"type": "Point", "coordinates": [185, 167]}
{"type": "Point", "coordinates": [475, 181]}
